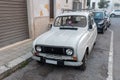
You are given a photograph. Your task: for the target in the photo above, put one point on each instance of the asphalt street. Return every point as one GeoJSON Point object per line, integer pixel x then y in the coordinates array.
{"type": "Point", "coordinates": [97, 66]}
{"type": "Point", "coordinates": [116, 45]}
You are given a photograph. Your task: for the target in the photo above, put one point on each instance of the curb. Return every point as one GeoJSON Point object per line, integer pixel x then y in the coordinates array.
{"type": "Point", "coordinates": [12, 66]}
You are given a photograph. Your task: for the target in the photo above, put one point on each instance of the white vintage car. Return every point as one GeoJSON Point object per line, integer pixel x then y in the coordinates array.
{"type": "Point", "coordinates": [68, 42]}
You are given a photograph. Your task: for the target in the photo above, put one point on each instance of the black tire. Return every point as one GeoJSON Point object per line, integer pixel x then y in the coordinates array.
{"type": "Point", "coordinates": [112, 15]}
{"type": "Point", "coordinates": [102, 31]}
{"type": "Point", "coordinates": [83, 66]}
{"type": "Point", "coordinates": [94, 43]}
{"type": "Point", "coordinates": [39, 62]}
{"type": "Point", "coordinates": [106, 28]}
{"type": "Point", "coordinates": [109, 25]}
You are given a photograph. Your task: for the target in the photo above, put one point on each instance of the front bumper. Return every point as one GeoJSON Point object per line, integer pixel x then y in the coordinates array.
{"type": "Point", "coordinates": [57, 61]}
{"type": "Point", "coordinates": [100, 30]}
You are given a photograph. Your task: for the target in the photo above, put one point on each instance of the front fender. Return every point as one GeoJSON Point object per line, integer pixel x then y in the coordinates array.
{"type": "Point", "coordinates": [82, 47]}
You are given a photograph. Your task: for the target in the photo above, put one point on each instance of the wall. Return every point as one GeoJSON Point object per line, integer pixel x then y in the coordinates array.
{"type": "Point", "coordinates": [84, 4]}
{"type": "Point", "coordinates": [41, 8]}
{"type": "Point", "coordinates": [61, 4]}
{"type": "Point", "coordinates": [41, 13]}
{"type": "Point", "coordinates": [41, 16]}
{"type": "Point", "coordinates": [96, 3]}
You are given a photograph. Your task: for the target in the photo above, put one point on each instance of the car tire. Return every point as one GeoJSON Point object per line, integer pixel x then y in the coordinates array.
{"type": "Point", "coordinates": [106, 28]}
{"type": "Point", "coordinates": [40, 62]}
{"type": "Point", "coordinates": [109, 25]}
{"type": "Point", "coordinates": [83, 66]}
{"type": "Point", "coordinates": [102, 31]}
{"type": "Point", "coordinates": [94, 43]}
{"type": "Point", "coordinates": [112, 15]}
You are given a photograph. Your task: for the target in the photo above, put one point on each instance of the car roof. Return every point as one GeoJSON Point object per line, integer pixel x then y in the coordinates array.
{"type": "Point", "coordinates": [79, 13]}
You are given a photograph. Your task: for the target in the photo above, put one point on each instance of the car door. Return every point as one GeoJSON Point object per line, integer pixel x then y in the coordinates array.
{"type": "Point", "coordinates": [92, 32]}
{"type": "Point", "coordinates": [117, 12]}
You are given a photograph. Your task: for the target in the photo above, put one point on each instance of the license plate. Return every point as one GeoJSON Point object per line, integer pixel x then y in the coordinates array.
{"type": "Point", "coordinates": [51, 61]}
{"type": "Point", "coordinates": [53, 56]}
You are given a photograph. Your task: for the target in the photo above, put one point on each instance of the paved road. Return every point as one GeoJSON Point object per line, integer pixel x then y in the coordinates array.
{"type": "Point", "coordinates": [116, 58]}
{"type": "Point", "coordinates": [97, 66]}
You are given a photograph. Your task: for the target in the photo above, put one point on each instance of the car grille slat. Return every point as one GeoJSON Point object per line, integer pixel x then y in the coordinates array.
{"type": "Point", "coordinates": [53, 50]}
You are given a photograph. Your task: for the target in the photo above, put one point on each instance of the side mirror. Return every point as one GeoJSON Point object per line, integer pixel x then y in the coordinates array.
{"type": "Point", "coordinates": [49, 26]}
{"type": "Point", "coordinates": [90, 27]}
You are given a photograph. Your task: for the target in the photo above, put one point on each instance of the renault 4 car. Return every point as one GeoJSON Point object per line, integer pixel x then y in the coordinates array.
{"type": "Point", "coordinates": [68, 42]}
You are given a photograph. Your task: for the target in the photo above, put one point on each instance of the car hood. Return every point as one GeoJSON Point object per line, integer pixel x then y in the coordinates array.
{"type": "Point", "coordinates": [60, 37]}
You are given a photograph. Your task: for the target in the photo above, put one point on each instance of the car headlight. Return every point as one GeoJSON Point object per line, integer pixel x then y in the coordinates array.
{"type": "Point", "coordinates": [101, 25]}
{"type": "Point", "coordinates": [38, 49]}
{"type": "Point", "coordinates": [69, 52]}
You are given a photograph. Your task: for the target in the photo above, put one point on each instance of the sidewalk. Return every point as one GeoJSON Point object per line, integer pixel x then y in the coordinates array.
{"type": "Point", "coordinates": [12, 58]}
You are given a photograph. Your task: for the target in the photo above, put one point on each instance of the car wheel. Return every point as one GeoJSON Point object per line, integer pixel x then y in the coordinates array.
{"type": "Point", "coordinates": [83, 66]}
{"type": "Point", "coordinates": [39, 62]}
{"type": "Point", "coordinates": [106, 28]}
{"type": "Point", "coordinates": [112, 15]}
{"type": "Point", "coordinates": [109, 25]}
{"type": "Point", "coordinates": [94, 43]}
{"type": "Point", "coordinates": [102, 31]}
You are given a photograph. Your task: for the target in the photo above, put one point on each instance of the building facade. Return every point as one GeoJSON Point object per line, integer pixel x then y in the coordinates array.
{"type": "Point", "coordinates": [94, 5]}
{"type": "Point", "coordinates": [13, 22]}
{"type": "Point", "coordinates": [116, 4]}
{"type": "Point", "coordinates": [27, 19]}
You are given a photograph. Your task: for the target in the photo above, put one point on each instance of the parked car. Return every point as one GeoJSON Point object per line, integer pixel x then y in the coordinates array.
{"type": "Point", "coordinates": [68, 42]}
{"type": "Point", "coordinates": [115, 13]}
{"type": "Point", "coordinates": [102, 20]}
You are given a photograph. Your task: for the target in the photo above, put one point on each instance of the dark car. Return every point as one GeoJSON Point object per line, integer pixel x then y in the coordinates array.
{"type": "Point", "coordinates": [101, 20]}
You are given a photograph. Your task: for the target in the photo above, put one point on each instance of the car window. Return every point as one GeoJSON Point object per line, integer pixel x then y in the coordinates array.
{"type": "Point", "coordinates": [77, 21]}
{"type": "Point", "coordinates": [91, 20]}
{"type": "Point", "coordinates": [98, 15]}
{"type": "Point", "coordinates": [117, 10]}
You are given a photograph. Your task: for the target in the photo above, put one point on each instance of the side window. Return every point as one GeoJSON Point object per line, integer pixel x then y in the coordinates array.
{"type": "Point", "coordinates": [91, 20]}
{"type": "Point", "coordinates": [117, 10]}
{"type": "Point", "coordinates": [58, 22]}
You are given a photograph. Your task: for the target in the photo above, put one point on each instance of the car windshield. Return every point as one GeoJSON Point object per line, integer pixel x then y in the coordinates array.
{"type": "Point", "coordinates": [74, 21]}
{"type": "Point", "coordinates": [98, 15]}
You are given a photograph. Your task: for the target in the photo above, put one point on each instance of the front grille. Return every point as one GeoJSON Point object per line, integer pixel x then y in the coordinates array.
{"type": "Point", "coordinates": [53, 50]}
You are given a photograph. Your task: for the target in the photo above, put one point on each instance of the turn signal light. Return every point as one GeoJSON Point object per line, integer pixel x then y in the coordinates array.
{"type": "Point", "coordinates": [36, 54]}
{"type": "Point", "coordinates": [75, 58]}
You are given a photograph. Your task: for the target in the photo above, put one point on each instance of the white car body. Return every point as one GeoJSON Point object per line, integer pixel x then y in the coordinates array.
{"type": "Point", "coordinates": [115, 13]}
{"type": "Point", "coordinates": [79, 40]}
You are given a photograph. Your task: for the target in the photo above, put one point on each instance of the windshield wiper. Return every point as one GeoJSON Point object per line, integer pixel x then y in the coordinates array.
{"type": "Point", "coordinates": [63, 28]}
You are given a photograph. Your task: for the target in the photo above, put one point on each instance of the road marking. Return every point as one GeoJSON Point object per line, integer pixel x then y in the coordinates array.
{"type": "Point", "coordinates": [110, 63]}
